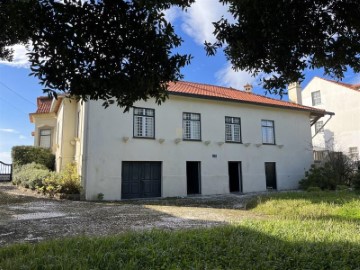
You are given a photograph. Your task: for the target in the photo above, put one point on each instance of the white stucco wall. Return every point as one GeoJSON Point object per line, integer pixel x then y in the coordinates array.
{"type": "Point", "coordinates": [106, 148]}
{"type": "Point", "coordinates": [343, 130]}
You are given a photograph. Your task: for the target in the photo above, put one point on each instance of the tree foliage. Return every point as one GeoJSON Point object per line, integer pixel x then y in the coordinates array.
{"type": "Point", "coordinates": [282, 38]}
{"type": "Point", "coordinates": [115, 50]}
{"type": "Point", "coordinates": [123, 50]}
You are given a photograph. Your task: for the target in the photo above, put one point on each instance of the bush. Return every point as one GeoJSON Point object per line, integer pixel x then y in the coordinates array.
{"type": "Point", "coordinates": [30, 175]}
{"type": "Point", "coordinates": [336, 172]}
{"type": "Point", "coordinates": [37, 176]}
{"type": "Point", "coordinates": [321, 177]}
{"type": "Point", "coordinates": [356, 180]}
{"type": "Point", "coordinates": [69, 180]}
{"type": "Point", "coordinates": [22, 155]}
{"type": "Point", "coordinates": [313, 189]}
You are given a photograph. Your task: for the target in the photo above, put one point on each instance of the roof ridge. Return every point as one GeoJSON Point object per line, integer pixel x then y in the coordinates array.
{"type": "Point", "coordinates": [347, 85]}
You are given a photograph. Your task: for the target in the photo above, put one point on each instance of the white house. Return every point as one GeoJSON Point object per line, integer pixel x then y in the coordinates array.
{"type": "Point", "coordinates": [204, 139]}
{"type": "Point", "coordinates": [342, 131]}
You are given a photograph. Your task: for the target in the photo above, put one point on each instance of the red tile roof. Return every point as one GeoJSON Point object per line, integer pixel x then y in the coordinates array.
{"type": "Point", "coordinates": [355, 87]}
{"type": "Point", "coordinates": [224, 93]}
{"type": "Point", "coordinates": [43, 104]}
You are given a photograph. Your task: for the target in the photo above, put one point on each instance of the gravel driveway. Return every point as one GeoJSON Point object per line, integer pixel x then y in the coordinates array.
{"type": "Point", "coordinates": [27, 217]}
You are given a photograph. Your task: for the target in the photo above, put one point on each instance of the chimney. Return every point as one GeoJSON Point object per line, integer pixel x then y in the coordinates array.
{"type": "Point", "coordinates": [294, 92]}
{"type": "Point", "coordinates": [248, 88]}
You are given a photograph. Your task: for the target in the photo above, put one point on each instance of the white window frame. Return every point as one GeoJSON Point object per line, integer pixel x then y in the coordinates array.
{"type": "Point", "coordinates": [144, 123]}
{"type": "Point", "coordinates": [232, 129]}
{"type": "Point", "coordinates": [316, 98]}
{"type": "Point", "coordinates": [354, 153]}
{"type": "Point", "coordinates": [42, 137]}
{"type": "Point", "coordinates": [319, 126]}
{"type": "Point", "coordinates": [191, 126]}
{"type": "Point", "coordinates": [268, 131]}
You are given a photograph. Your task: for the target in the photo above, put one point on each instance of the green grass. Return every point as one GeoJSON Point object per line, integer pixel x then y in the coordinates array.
{"type": "Point", "coordinates": [298, 231]}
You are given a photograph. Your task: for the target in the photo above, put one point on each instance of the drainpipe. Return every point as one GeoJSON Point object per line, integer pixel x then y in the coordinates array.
{"type": "Point", "coordinates": [85, 149]}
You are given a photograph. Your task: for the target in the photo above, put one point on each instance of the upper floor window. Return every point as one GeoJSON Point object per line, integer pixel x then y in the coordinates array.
{"type": "Point", "coordinates": [354, 153]}
{"type": "Point", "coordinates": [45, 138]}
{"type": "Point", "coordinates": [268, 132]}
{"type": "Point", "coordinates": [316, 98]}
{"type": "Point", "coordinates": [232, 129]}
{"type": "Point", "coordinates": [319, 126]}
{"type": "Point", "coordinates": [144, 123]}
{"type": "Point", "coordinates": [191, 126]}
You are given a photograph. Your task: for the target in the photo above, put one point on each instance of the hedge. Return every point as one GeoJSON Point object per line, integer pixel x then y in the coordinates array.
{"type": "Point", "coordinates": [22, 155]}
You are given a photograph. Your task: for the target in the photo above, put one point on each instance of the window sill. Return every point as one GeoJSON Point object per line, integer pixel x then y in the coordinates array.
{"type": "Point", "coordinates": [233, 142]}
{"type": "Point", "coordinates": [190, 140]}
{"type": "Point", "coordinates": [147, 138]}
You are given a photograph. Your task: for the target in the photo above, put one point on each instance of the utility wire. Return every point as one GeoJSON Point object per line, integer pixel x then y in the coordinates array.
{"type": "Point", "coordinates": [24, 98]}
{"type": "Point", "coordinates": [14, 107]}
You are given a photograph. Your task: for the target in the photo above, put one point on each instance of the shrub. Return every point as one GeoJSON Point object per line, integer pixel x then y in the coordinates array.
{"type": "Point", "coordinates": [321, 177]}
{"type": "Point", "coordinates": [356, 180]}
{"type": "Point", "coordinates": [69, 180]}
{"type": "Point", "coordinates": [22, 155]}
{"type": "Point", "coordinates": [336, 171]}
{"type": "Point", "coordinates": [313, 189]}
{"type": "Point", "coordinates": [30, 175]}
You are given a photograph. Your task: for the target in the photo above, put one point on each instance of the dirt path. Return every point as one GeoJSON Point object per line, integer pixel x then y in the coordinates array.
{"type": "Point", "coordinates": [27, 217]}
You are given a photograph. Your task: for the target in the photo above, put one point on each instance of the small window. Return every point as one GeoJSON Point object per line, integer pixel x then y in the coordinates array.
{"type": "Point", "coordinates": [319, 126]}
{"type": "Point", "coordinates": [232, 129]}
{"type": "Point", "coordinates": [316, 98]}
{"type": "Point", "coordinates": [144, 123]}
{"type": "Point", "coordinates": [191, 126]}
{"type": "Point", "coordinates": [354, 153]}
{"type": "Point", "coordinates": [45, 138]}
{"type": "Point", "coordinates": [268, 133]}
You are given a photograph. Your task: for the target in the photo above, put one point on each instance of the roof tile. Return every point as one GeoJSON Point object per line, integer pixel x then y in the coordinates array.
{"type": "Point", "coordinates": [206, 90]}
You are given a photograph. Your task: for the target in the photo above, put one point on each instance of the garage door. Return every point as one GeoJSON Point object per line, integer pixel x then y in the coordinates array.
{"type": "Point", "coordinates": [141, 179]}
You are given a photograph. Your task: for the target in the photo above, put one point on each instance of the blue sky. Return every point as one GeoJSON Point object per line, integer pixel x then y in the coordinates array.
{"type": "Point", "coordinates": [18, 91]}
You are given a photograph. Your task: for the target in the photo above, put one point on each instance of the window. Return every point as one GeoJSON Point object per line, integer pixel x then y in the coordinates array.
{"type": "Point", "coordinates": [144, 123]}
{"type": "Point", "coordinates": [354, 153]}
{"type": "Point", "coordinates": [319, 126]}
{"type": "Point", "coordinates": [268, 134]}
{"type": "Point", "coordinates": [316, 98]}
{"type": "Point", "coordinates": [45, 138]}
{"type": "Point", "coordinates": [191, 126]}
{"type": "Point", "coordinates": [232, 129]}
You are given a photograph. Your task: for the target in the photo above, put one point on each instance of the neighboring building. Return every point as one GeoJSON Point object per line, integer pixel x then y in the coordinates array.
{"type": "Point", "coordinates": [342, 131]}
{"type": "Point", "coordinates": [203, 140]}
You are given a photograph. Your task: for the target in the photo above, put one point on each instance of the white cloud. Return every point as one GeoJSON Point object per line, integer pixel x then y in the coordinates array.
{"type": "Point", "coordinates": [9, 130]}
{"type": "Point", "coordinates": [197, 20]}
{"type": "Point", "coordinates": [172, 14]}
{"type": "Point", "coordinates": [5, 157]}
{"type": "Point", "coordinates": [20, 60]}
{"type": "Point", "coordinates": [235, 79]}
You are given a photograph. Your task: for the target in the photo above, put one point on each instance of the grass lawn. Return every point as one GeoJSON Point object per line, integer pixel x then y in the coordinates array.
{"type": "Point", "coordinates": [298, 231]}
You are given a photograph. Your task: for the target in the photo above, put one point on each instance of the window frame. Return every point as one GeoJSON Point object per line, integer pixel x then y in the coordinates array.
{"type": "Point", "coordinates": [144, 116]}
{"type": "Point", "coordinates": [50, 135]}
{"type": "Point", "coordinates": [183, 122]}
{"type": "Point", "coordinates": [273, 131]}
{"type": "Point", "coordinates": [317, 129]}
{"type": "Point", "coordinates": [315, 100]}
{"type": "Point", "coordinates": [354, 152]}
{"type": "Point", "coordinates": [232, 129]}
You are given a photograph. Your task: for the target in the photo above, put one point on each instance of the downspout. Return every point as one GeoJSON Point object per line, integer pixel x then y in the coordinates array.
{"type": "Point", "coordinates": [85, 147]}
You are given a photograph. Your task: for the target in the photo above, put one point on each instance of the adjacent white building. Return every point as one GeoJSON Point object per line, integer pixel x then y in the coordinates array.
{"type": "Point", "coordinates": [340, 132]}
{"type": "Point", "coordinates": [204, 139]}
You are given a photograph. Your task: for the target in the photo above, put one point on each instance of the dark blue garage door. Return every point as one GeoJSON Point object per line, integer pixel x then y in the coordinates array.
{"type": "Point", "coordinates": [141, 179]}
